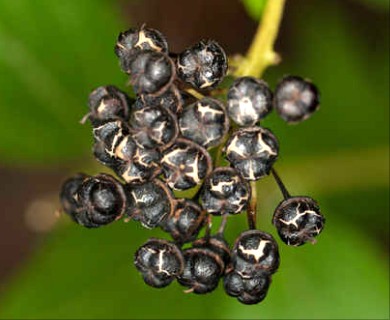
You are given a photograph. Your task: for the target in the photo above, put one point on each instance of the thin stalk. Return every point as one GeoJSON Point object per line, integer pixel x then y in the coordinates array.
{"type": "Point", "coordinates": [281, 185]}
{"type": "Point", "coordinates": [261, 53]}
{"type": "Point", "coordinates": [252, 207]}
{"type": "Point", "coordinates": [223, 224]}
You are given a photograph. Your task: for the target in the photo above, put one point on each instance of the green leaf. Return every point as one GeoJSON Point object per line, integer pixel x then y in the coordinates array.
{"type": "Point", "coordinates": [254, 8]}
{"type": "Point", "coordinates": [52, 54]}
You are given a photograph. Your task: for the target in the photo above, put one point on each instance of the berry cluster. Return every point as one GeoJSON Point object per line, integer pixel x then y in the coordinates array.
{"type": "Point", "coordinates": [159, 143]}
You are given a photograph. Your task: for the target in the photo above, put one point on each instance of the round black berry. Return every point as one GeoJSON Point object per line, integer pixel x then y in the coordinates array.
{"type": "Point", "coordinates": [298, 220]}
{"type": "Point", "coordinates": [204, 122]}
{"type": "Point", "coordinates": [135, 164]}
{"type": "Point", "coordinates": [150, 72]}
{"type": "Point", "coordinates": [171, 99]}
{"type": "Point", "coordinates": [255, 251]}
{"type": "Point", "coordinates": [185, 221]}
{"type": "Point", "coordinates": [296, 99]}
{"type": "Point", "coordinates": [140, 39]}
{"type": "Point", "coordinates": [252, 151]}
{"type": "Point", "coordinates": [217, 244]}
{"type": "Point", "coordinates": [202, 270]}
{"type": "Point", "coordinates": [248, 290]}
{"type": "Point", "coordinates": [107, 138]}
{"type": "Point", "coordinates": [203, 65]}
{"type": "Point", "coordinates": [225, 191]}
{"type": "Point", "coordinates": [185, 164]}
{"type": "Point", "coordinates": [69, 195]}
{"type": "Point", "coordinates": [248, 100]}
{"type": "Point", "coordinates": [150, 203]}
{"type": "Point", "coordinates": [159, 262]}
{"type": "Point", "coordinates": [108, 103]}
{"type": "Point", "coordinates": [154, 127]}
{"type": "Point", "coordinates": [93, 201]}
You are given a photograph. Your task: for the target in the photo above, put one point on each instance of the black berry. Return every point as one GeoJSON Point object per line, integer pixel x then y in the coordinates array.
{"type": "Point", "coordinates": [298, 220]}
{"type": "Point", "coordinates": [159, 262]}
{"type": "Point", "coordinates": [69, 195]}
{"type": "Point", "coordinates": [203, 65]}
{"type": "Point", "coordinates": [202, 270]}
{"type": "Point", "coordinates": [296, 99]}
{"type": "Point", "coordinates": [255, 251]}
{"type": "Point", "coordinates": [252, 151]}
{"type": "Point", "coordinates": [225, 191]}
{"type": "Point", "coordinates": [185, 221]}
{"type": "Point", "coordinates": [108, 103]}
{"type": "Point", "coordinates": [185, 164]}
{"type": "Point", "coordinates": [217, 244]}
{"type": "Point", "coordinates": [204, 122]}
{"type": "Point", "coordinates": [248, 100]}
{"type": "Point", "coordinates": [150, 203]}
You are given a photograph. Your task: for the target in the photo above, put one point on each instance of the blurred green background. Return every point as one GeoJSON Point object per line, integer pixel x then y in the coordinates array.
{"type": "Point", "coordinates": [53, 53]}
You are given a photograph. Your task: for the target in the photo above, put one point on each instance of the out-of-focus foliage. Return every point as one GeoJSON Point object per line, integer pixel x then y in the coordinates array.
{"type": "Point", "coordinates": [254, 7]}
{"type": "Point", "coordinates": [339, 157]}
{"type": "Point", "coordinates": [51, 54]}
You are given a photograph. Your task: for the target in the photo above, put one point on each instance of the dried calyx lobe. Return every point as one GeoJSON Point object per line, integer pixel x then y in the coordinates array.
{"type": "Point", "coordinates": [298, 220]}
{"type": "Point", "coordinates": [252, 151]}
{"type": "Point", "coordinates": [159, 262]}
{"type": "Point", "coordinates": [93, 201]}
{"type": "Point", "coordinates": [225, 191]}
{"type": "Point", "coordinates": [203, 65]}
{"type": "Point", "coordinates": [296, 99]}
{"type": "Point", "coordinates": [248, 100]}
{"type": "Point", "coordinates": [204, 122]}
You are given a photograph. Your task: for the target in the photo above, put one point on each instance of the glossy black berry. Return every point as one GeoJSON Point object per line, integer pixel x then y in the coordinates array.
{"type": "Point", "coordinates": [203, 65]}
{"type": "Point", "coordinates": [248, 100]}
{"type": "Point", "coordinates": [108, 103]}
{"type": "Point", "coordinates": [107, 138]}
{"type": "Point", "coordinates": [159, 262]}
{"type": "Point", "coordinates": [153, 127]}
{"type": "Point", "coordinates": [255, 251]}
{"type": "Point", "coordinates": [185, 164]}
{"type": "Point", "coordinates": [204, 122]}
{"type": "Point", "coordinates": [150, 203]}
{"type": "Point", "coordinates": [135, 164]}
{"type": "Point", "coordinates": [93, 201]}
{"type": "Point", "coordinates": [202, 270]}
{"type": "Point", "coordinates": [296, 99]}
{"type": "Point", "coordinates": [150, 72]}
{"type": "Point", "coordinates": [140, 39]}
{"type": "Point", "coordinates": [248, 290]}
{"type": "Point", "coordinates": [298, 220]}
{"type": "Point", "coordinates": [252, 151]}
{"type": "Point", "coordinates": [69, 194]}
{"type": "Point", "coordinates": [185, 221]}
{"type": "Point", "coordinates": [171, 99]}
{"type": "Point", "coordinates": [225, 191]}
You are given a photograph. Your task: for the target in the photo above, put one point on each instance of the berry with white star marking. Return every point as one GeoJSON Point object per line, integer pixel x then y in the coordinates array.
{"type": "Point", "coordinates": [202, 270]}
{"type": "Point", "coordinates": [255, 251]}
{"type": "Point", "coordinates": [159, 262]}
{"type": "Point", "coordinates": [296, 99]}
{"type": "Point", "coordinates": [154, 127]}
{"type": "Point", "coordinates": [185, 164]}
{"type": "Point", "coordinates": [225, 191]}
{"type": "Point", "coordinates": [252, 151]}
{"type": "Point", "coordinates": [185, 221]}
{"type": "Point", "coordinates": [144, 38]}
{"type": "Point", "coordinates": [150, 203]}
{"type": "Point", "coordinates": [298, 220]}
{"type": "Point", "coordinates": [204, 122]}
{"type": "Point", "coordinates": [108, 103]}
{"type": "Point", "coordinates": [203, 65]}
{"type": "Point", "coordinates": [248, 290]}
{"type": "Point", "coordinates": [248, 100]}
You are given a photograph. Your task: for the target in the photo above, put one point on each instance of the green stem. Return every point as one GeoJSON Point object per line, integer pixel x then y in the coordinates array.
{"type": "Point", "coordinates": [261, 53]}
{"type": "Point", "coordinates": [252, 207]}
